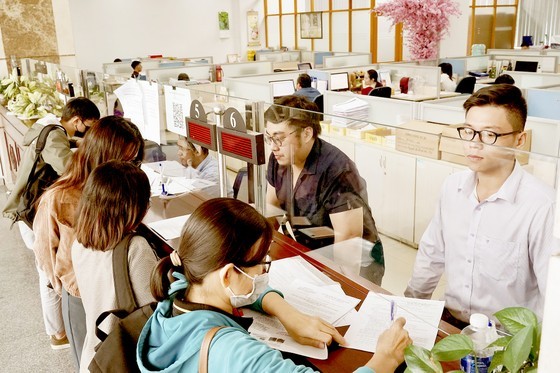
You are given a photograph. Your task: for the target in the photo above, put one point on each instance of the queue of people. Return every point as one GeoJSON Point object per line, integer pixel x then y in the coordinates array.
{"type": "Point", "coordinates": [102, 196]}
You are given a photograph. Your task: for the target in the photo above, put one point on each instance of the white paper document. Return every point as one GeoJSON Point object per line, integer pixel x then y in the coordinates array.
{"type": "Point", "coordinates": [422, 320]}
{"type": "Point", "coordinates": [171, 228]}
{"type": "Point", "coordinates": [271, 331]}
{"type": "Point", "coordinates": [140, 102]}
{"type": "Point", "coordinates": [177, 107]}
{"type": "Point", "coordinates": [325, 302]}
{"type": "Point", "coordinates": [310, 291]}
{"type": "Point", "coordinates": [175, 176]}
{"type": "Point", "coordinates": [284, 271]}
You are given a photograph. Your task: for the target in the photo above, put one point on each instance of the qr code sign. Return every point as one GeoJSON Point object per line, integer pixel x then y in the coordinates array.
{"type": "Point", "coordinates": [178, 117]}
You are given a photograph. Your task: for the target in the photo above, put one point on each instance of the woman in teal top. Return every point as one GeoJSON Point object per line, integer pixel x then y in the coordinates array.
{"type": "Point", "coordinates": [222, 265]}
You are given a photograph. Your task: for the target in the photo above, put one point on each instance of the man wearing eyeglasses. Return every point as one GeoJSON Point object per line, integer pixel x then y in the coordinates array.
{"type": "Point", "coordinates": [311, 178]}
{"type": "Point", "coordinates": [492, 230]}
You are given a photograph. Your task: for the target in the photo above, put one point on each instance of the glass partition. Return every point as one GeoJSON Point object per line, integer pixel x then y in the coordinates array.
{"type": "Point", "coordinates": [404, 169]}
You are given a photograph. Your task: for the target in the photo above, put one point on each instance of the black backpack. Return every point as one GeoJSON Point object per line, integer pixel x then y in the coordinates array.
{"type": "Point", "coordinates": [37, 181]}
{"type": "Point", "coordinates": [117, 351]}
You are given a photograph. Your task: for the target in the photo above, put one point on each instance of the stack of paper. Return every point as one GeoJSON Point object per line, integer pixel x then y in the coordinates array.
{"type": "Point", "coordinates": [311, 292]}
{"type": "Point", "coordinates": [350, 112]}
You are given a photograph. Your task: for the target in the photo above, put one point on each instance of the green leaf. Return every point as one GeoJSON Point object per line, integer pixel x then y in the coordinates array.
{"type": "Point", "coordinates": [419, 360]}
{"type": "Point", "coordinates": [537, 342]}
{"type": "Point", "coordinates": [452, 347]}
{"type": "Point", "coordinates": [497, 360]}
{"type": "Point", "coordinates": [516, 318]}
{"type": "Point", "coordinates": [501, 342]}
{"type": "Point", "coordinates": [518, 349]}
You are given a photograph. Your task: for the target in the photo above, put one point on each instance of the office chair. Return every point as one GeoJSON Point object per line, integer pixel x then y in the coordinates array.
{"type": "Point", "coordinates": [466, 85]}
{"type": "Point", "coordinates": [240, 185]}
{"type": "Point", "coordinates": [318, 100]}
{"type": "Point", "coordinates": [380, 92]}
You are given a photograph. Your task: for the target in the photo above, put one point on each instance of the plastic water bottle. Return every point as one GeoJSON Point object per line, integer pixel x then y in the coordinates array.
{"type": "Point", "coordinates": [482, 334]}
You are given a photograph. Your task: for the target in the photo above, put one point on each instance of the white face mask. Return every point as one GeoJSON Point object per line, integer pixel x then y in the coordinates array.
{"type": "Point", "coordinates": [260, 283]}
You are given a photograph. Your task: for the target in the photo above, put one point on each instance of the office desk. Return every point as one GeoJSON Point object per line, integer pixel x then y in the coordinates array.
{"type": "Point", "coordinates": [340, 359]}
{"type": "Point", "coordinates": [419, 97]}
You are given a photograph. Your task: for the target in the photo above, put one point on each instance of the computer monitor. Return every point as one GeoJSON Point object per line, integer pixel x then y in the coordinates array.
{"type": "Point", "coordinates": [282, 87]}
{"type": "Point", "coordinates": [304, 66]}
{"type": "Point", "coordinates": [322, 86]}
{"type": "Point", "coordinates": [339, 82]}
{"type": "Point", "coordinates": [530, 66]}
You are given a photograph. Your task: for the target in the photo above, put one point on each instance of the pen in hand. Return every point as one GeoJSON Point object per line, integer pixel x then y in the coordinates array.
{"type": "Point", "coordinates": [393, 310]}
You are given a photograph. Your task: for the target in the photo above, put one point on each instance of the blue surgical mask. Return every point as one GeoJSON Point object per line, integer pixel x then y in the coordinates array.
{"type": "Point", "coordinates": [260, 284]}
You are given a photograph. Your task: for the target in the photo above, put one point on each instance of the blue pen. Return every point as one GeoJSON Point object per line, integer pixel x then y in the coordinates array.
{"type": "Point", "coordinates": [163, 192]}
{"type": "Point", "coordinates": [393, 310]}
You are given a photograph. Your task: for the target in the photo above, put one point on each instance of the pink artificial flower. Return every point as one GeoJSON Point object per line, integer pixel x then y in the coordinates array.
{"type": "Point", "coordinates": [427, 21]}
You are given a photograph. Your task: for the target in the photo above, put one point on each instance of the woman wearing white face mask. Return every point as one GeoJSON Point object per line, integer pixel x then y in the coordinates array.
{"type": "Point", "coordinates": [221, 265]}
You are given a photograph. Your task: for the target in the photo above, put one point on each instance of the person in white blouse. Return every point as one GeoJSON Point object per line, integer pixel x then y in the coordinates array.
{"type": "Point", "coordinates": [448, 84]}
{"type": "Point", "coordinates": [492, 229]}
{"type": "Point", "coordinates": [114, 201]}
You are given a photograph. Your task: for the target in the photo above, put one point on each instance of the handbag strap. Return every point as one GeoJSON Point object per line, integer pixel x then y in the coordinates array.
{"type": "Point", "coordinates": [205, 349]}
{"type": "Point", "coordinates": [123, 288]}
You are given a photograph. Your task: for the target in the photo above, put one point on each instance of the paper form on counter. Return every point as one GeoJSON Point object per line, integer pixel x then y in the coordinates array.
{"type": "Point", "coordinates": [326, 302]}
{"type": "Point", "coordinates": [271, 331]}
{"type": "Point", "coordinates": [171, 228]}
{"type": "Point", "coordinates": [311, 292]}
{"type": "Point", "coordinates": [284, 271]}
{"type": "Point", "coordinates": [422, 320]}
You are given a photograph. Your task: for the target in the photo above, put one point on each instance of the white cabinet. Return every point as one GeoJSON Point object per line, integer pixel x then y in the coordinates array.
{"type": "Point", "coordinates": [347, 146]}
{"type": "Point", "coordinates": [390, 178]}
{"type": "Point", "coordinates": [430, 175]}
{"type": "Point", "coordinates": [429, 179]}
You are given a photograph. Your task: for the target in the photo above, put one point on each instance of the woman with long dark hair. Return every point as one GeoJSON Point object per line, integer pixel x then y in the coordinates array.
{"type": "Point", "coordinates": [221, 265]}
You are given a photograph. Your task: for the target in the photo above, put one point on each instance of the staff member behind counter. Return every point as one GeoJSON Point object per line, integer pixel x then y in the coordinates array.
{"type": "Point", "coordinates": [326, 184]}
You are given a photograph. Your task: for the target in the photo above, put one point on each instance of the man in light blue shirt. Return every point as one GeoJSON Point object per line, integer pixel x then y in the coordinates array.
{"type": "Point", "coordinates": [303, 88]}
{"type": "Point", "coordinates": [196, 158]}
{"type": "Point", "coordinates": [492, 231]}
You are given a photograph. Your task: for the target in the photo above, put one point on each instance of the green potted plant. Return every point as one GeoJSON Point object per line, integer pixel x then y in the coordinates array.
{"type": "Point", "coordinates": [516, 352]}
{"type": "Point", "coordinates": [30, 99]}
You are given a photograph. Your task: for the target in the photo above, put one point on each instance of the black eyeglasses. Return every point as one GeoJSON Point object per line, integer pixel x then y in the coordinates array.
{"type": "Point", "coordinates": [266, 263]}
{"type": "Point", "coordinates": [277, 140]}
{"type": "Point", "coordinates": [485, 136]}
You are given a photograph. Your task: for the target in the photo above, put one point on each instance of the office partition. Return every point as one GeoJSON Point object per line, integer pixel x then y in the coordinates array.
{"type": "Point", "coordinates": [346, 60]}
{"type": "Point", "coordinates": [195, 72]}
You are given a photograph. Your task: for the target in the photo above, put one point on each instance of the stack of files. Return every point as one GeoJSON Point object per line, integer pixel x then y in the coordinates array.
{"type": "Point", "coordinates": [350, 112]}
{"type": "Point", "coordinates": [311, 292]}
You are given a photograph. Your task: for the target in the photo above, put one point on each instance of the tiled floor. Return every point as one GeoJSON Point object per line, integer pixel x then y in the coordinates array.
{"type": "Point", "coordinates": [399, 262]}
{"type": "Point", "coordinates": [24, 345]}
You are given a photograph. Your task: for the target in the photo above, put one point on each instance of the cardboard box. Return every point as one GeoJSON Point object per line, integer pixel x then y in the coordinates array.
{"type": "Point", "coordinates": [450, 141]}
{"type": "Point", "coordinates": [454, 158]}
{"type": "Point", "coordinates": [450, 144]}
{"type": "Point", "coordinates": [420, 138]}
{"type": "Point", "coordinates": [379, 135]}
{"type": "Point", "coordinates": [325, 127]}
{"type": "Point", "coordinates": [340, 131]}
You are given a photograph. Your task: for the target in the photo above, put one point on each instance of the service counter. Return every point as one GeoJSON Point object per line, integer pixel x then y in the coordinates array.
{"type": "Point", "coordinates": [340, 359]}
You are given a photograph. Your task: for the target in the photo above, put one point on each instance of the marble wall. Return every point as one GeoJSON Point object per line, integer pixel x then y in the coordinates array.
{"type": "Point", "coordinates": [27, 29]}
